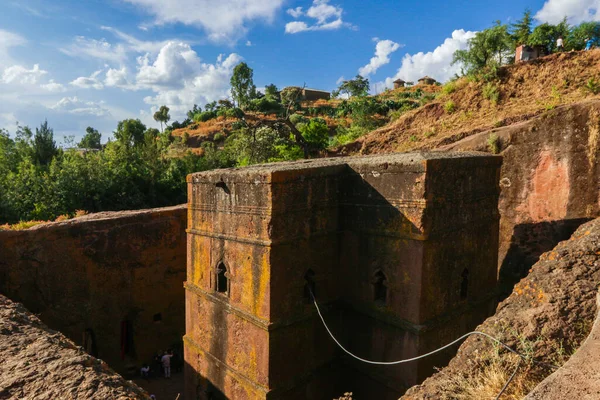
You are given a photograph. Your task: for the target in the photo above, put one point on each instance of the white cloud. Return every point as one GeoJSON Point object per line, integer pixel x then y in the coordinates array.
{"type": "Point", "coordinates": [175, 63]}
{"type": "Point", "coordinates": [223, 20]}
{"type": "Point", "coordinates": [89, 82]}
{"type": "Point", "coordinates": [8, 40]}
{"type": "Point", "coordinates": [93, 48]}
{"type": "Point", "coordinates": [52, 86]}
{"type": "Point", "coordinates": [436, 63]}
{"type": "Point", "coordinates": [196, 83]}
{"type": "Point", "coordinates": [21, 75]}
{"type": "Point", "coordinates": [117, 78]}
{"type": "Point", "coordinates": [326, 16]}
{"type": "Point", "coordinates": [576, 11]}
{"type": "Point", "coordinates": [383, 49]}
{"type": "Point", "coordinates": [73, 105]}
{"type": "Point", "coordinates": [296, 12]}
{"type": "Point", "coordinates": [249, 44]}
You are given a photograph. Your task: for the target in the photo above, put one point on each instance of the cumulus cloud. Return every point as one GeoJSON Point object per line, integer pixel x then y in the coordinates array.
{"type": "Point", "coordinates": [8, 40]}
{"type": "Point", "coordinates": [117, 78]}
{"type": "Point", "coordinates": [576, 11]}
{"type": "Point", "coordinates": [436, 63]}
{"type": "Point", "coordinates": [52, 86]}
{"type": "Point", "coordinates": [223, 20]}
{"type": "Point", "coordinates": [96, 48]}
{"type": "Point", "coordinates": [196, 83]}
{"type": "Point", "coordinates": [325, 16]}
{"type": "Point", "coordinates": [174, 64]}
{"type": "Point", "coordinates": [383, 49]}
{"type": "Point", "coordinates": [21, 75]}
{"type": "Point", "coordinates": [73, 105]}
{"type": "Point", "coordinates": [89, 82]}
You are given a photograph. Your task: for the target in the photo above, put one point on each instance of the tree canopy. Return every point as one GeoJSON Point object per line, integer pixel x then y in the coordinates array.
{"type": "Point", "coordinates": [91, 139]}
{"type": "Point", "coordinates": [242, 85]}
{"type": "Point", "coordinates": [357, 87]}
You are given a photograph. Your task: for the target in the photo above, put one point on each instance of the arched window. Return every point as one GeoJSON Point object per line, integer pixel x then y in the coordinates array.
{"type": "Point", "coordinates": [310, 288]}
{"type": "Point", "coordinates": [380, 287]}
{"type": "Point", "coordinates": [464, 284]}
{"type": "Point", "coordinates": [222, 281]}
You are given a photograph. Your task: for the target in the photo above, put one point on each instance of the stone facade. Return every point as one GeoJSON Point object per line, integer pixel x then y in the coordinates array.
{"type": "Point", "coordinates": [111, 282]}
{"type": "Point", "coordinates": [400, 251]}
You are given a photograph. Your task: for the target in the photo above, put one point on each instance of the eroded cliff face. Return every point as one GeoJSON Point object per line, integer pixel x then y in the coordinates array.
{"type": "Point", "coordinates": [550, 182]}
{"type": "Point", "coordinates": [546, 317]}
{"type": "Point", "coordinates": [39, 363]}
{"type": "Point", "coordinates": [112, 282]}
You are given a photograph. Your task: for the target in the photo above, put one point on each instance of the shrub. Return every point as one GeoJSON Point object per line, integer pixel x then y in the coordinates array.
{"type": "Point", "coordinates": [316, 133]}
{"type": "Point", "coordinates": [449, 88]}
{"type": "Point", "coordinates": [234, 113]}
{"type": "Point", "coordinates": [413, 138]}
{"type": "Point", "coordinates": [297, 119]}
{"type": "Point", "coordinates": [346, 135]}
{"type": "Point", "coordinates": [491, 93]}
{"type": "Point", "coordinates": [494, 144]}
{"type": "Point", "coordinates": [450, 107]}
{"type": "Point", "coordinates": [429, 134]}
{"type": "Point", "coordinates": [218, 137]}
{"type": "Point", "coordinates": [592, 86]}
{"type": "Point", "coordinates": [205, 116]}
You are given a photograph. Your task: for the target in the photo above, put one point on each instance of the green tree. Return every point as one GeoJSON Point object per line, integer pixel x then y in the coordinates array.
{"type": "Point", "coordinates": [162, 116]}
{"type": "Point", "coordinates": [357, 87]}
{"type": "Point", "coordinates": [521, 29]}
{"type": "Point", "coordinates": [91, 140]}
{"type": "Point", "coordinates": [545, 35]}
{"type": "Point", "coordinates": [130, 132]}
{"type": "Point", "coordinates": [585, 30]}
{"type": "Point", "coordinates": [316, 134]}
{"type": "Point", "coordinates": [195, 110]}
{"type": "Point", "coordinates": [490, 47]}
{"type": "Point", "coordinates": [44, 146]}
{"type": "Point", "coordinates": [242, 85]}
{"type": "Point", "coordinates": [272, 93]}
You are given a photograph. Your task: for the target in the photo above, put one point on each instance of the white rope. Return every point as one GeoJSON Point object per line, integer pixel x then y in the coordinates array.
{"type": "Point", "coordinates": [414, 358]}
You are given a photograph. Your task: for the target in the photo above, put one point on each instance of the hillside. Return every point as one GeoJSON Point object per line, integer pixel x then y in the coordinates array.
{"type": "Point", "coordinates": [467, 106]}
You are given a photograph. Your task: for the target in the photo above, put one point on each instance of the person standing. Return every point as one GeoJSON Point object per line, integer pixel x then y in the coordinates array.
{"type": "Point", "coordinates": [166, 363]}
{"type": "Point", "coordinates": [588, 44]}
{"type": "Point", "coordinates": [560, 46]}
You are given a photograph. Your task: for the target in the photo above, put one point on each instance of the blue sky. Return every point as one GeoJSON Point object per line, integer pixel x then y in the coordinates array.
{"type": "Point", "coordinates": [95, 62]}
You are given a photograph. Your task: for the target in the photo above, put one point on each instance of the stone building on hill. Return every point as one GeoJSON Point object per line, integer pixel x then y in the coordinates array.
{"type": "Point", "coordinates": [312, 94]}
{"type": "Point", "coordinates": [399, 83]}
{"type": "Point", "coordinates": [427, 80]}
{"type": "Point", "coordinates": [399, 250]}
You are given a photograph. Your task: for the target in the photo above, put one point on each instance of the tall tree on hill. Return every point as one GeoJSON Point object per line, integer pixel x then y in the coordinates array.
{"type": "Point", "coordinates": [242, 85]}
{"type": "Point", "coordinates": [162, 116]}
{"type": "Point", "coordinates": [130, 132]}
{"type": "Point", "coordinates": [545, 35]}
{"type": "Point", "coordinates": [272, 93]}
{"type": "Point", "coordinates": [44, 146]}
{"type": "Point", "coordinates": [357, 87]}
{"type": "Point", "coordinates": [585, 30]}
{"type": "Point", "coordinates": [490, 47]}
{"type": "Point", "coordinates": [521, 29]}
{"type": "Point", "coordinates": [91, 140]}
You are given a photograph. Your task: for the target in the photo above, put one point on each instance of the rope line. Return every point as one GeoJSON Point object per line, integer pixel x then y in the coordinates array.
{"type": "Point", "coordinates": [414, 358]}
{"type": "Point", "coordinates": [510, 379]}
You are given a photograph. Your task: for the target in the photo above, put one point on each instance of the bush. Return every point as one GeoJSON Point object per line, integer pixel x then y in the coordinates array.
{"type": "Point", "coordinates": [450, 107]}
{"type": "Point", "coordinates": [346, 135]}
{"type": "Point", "coordinates": [491, 93]}
{"type": "Point", "coordinates": [449, 88]}
{"type": "Point", "coordinates": [494, 145]}
{"type": "Point", "coordinates": [298, 119]}
{"type": "Point", "coordinates": [316, 133]}
{"type": "Point", "coordinates": [205, 116]}
{"type": "Point", "coordinates": [235, 113]}
{"type": "Point", "coordinates": [218, 137]}
{"type": "Point", "coordinates": [592, 86]}
{"type": "Point", "coordinates": [265, 105]}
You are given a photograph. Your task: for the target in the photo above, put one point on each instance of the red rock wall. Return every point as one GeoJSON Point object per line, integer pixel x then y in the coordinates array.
{"type": "Point", "coordinates": [550, 182]}
{"type": "Point", "coordinates": [96, 272]}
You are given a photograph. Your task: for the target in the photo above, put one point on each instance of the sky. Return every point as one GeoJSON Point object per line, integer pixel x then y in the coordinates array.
{"type": "Point", "coordinates": [95, 62]}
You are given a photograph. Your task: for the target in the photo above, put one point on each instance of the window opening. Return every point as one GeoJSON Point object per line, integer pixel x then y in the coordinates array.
{"type": "Point", "coordinates": [126, 338]}
{"type": "Point", "coordinates": [464, 284]}
{"type": "Point", "coordinates": [222, 281]}
{"type": "Point", "coordinates": [380, 287]}
{"type": "Point", "coordinates": [310, 288]}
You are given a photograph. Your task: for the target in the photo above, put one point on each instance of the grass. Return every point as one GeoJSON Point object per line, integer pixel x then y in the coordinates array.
{"type": "Point", "coordinates": [592, 86]}
{"type": "Point", "coordinates": [22, 225]}
{"type": "Point", "coordinates": [494, 144]}
{"type": "Point", "coordinates": [449, 88]}
{"type": "Point", "coordinates": [491, 93]}
{"type": "Point", "coordinates": [450, 107]}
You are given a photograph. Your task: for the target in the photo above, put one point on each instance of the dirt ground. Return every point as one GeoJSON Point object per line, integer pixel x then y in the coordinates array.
{"type": "Point", "coordinates": [164, 389]}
